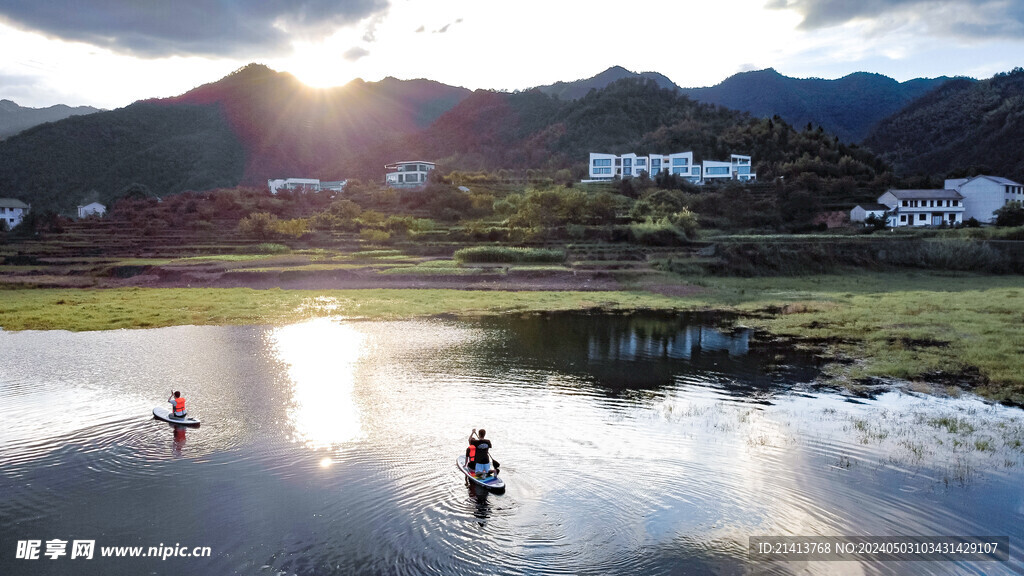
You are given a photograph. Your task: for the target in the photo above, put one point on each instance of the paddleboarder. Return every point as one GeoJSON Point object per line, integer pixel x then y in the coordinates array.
{"type": "Point", "coordinates": [482, 446]}
{"type": "Point", "coordinates": [177, 405]}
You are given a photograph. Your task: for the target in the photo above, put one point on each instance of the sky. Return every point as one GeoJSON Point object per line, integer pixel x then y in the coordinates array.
{"type": "Point", "coordinates": [110, 53]}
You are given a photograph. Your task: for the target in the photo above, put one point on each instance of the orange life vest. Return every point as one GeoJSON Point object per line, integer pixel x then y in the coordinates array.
{"type": "Point", "coordinates": [179, 406]}
{"type": "Point", "coordinates": [472, 454]}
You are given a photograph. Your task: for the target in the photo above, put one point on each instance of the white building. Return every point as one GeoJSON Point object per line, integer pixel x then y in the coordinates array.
{"type": "Point", "coordinates": [408, 174]}
{"type": "Point", "coordinates": [603, 167]}
{"type": "Point", "coordinates": [93, 208]}
{"type": "Point", "coordinates": [12, 211]}
{"type": "Point", "coordinates": [303, 184]}
{"type": "Point", "coordinates": [983, 195]}
{"type": "Point", "coordinates": [923, 207]}
{"type": "Point", "coordinates": [862, 212]}
{"type": "Point", "coordinates": [737, 168]}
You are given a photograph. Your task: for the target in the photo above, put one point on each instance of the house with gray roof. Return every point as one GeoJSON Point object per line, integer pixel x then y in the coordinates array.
{"type": "Point", "coordinates": [12, 211]}
{"type": "Point", "coordinates": [862, 212]}
{"type": "Point", "coordinates": [923, 207]}
{"type": "Point", "coordinates": [983, 195]}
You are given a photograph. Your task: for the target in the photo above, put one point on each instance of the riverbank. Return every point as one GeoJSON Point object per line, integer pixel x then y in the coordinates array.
{"type": "Point", "coordinates": [940, 332]}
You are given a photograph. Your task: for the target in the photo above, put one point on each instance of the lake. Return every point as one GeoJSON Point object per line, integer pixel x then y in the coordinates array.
{"type": "Point", "coordinates": [630, 444]}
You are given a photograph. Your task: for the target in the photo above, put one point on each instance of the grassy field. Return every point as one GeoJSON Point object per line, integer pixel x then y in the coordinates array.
{"type": "Point", "coordinates": [927, 327]}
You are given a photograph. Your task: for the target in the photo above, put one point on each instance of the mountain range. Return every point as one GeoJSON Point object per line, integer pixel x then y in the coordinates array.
{"type": "Point", "coordinates": [14, 118]}
{"type": "Point", "coordinates": [257, 123]}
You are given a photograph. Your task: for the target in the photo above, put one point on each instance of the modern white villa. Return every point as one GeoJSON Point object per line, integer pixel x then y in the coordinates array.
{"type": "Point", "coordinates": [604, 167]}
{"type": "Point", "coordinates": [923, 207]}
{"type": "Point", "coordinates": [304, 185]}
{"type": "Point", "coordinates": [983, 195]}
{"type": "Point", "coordinates": [12, 211]}
{"type": "Point", "coordinates": [407, 174]}
{"type": "Point", "coordinates": [93, 208]}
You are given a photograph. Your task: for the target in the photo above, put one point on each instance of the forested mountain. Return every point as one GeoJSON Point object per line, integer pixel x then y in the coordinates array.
{"type": "Point", "coordinates": [962, 128]}
{"type": "Point", "coordinates": [14, 118]}
{"type": "Point", "coordinates": [165, 148]}
{"type": "Point", "coordinates": [495, 130]}
{"type": "Point", "coordinates": [579, 88]}
{"type": "Point", "coordinates": [847, 107]}
{"type": "Point", "coordinates": [289, 129]}
{"type": "Point", "coordinates": [252, 125]}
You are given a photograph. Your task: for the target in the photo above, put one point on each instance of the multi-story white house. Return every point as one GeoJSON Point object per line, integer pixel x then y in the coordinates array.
{"type": "Point", "coordinates": [923, 207]}
{"type": "Point", "coordinates": [983, 195]}
{"type": "Point", "coordinates": [609, 166]}
{"type": "Point", "coordinates": [407, 174]}
{"type": "Point", "coordinates": [737, 168]}
{"type": "Point", "coordinates": [12, 211]}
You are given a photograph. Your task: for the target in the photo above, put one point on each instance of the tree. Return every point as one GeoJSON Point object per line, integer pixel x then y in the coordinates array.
{"type": "Point", "coordinates": [1011, 214]}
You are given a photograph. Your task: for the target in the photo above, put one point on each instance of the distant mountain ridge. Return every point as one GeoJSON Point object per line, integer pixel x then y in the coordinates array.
{"type": "Point", "coordinates": [257, 123]}
{"type": "Point", "coordinates": [15, 118]}
{"type": "Point", "coordinates": [847, 107]}
{"type": "Point", "coordinates": [577, 89]}
{"type": "Point", "coordinates": [288, 128]}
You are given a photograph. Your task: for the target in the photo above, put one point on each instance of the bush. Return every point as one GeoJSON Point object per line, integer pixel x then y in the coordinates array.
{"type": "Point", "coordinates": [1010, 215]}
{"type": "Point", "coordinates": [657, 233]}
{"type": "Point", "coordinates": [373, 236]}
{"type": "Point", "coordinates": [508, 255]}
{"type": "Point", "coordinates": [270, 248]}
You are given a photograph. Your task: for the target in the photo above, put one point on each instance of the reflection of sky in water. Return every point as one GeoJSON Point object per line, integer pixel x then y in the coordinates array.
{"type": "Point", "coordinates": [321, 358]}
{"type": "Point", "coordinates": [349, 462]}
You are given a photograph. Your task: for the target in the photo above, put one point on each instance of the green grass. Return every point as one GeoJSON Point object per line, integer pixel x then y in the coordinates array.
{"type": "Point", "coordinates": [898, 325]}
{"type": "Point", "coordinates": [505, 254]}
{"type": "Point", "coordinates": [79, 310]}
{"type": "Point", "coordinates": [914, 326]}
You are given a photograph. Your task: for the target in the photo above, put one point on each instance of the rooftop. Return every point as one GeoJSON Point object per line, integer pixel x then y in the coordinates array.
{"type": "Point", "coordinates": [926, 194]}
{"type": "Point", "coordinates": [12, 203]}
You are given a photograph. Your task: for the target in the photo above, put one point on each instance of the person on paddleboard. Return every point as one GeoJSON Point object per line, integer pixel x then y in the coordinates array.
{"type": "Point", "coordinates": [482, 447]}
{"type": "Point", "coordinates": [177, 405]}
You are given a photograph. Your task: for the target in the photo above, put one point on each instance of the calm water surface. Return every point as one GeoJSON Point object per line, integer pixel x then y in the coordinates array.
{"type": "Point", "coordinates": [635, 444]}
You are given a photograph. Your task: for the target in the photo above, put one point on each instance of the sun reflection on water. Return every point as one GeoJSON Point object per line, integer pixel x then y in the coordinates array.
{"type": "Point", "coordinates": [322, 357]}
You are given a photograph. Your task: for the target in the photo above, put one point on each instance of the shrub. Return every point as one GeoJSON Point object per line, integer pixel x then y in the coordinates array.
{"type": "Point", "coordinates": [657, 233]}
{"type": "Point", "coordinates": [509, 255]}
{"type": "Point", "coordinates": [271, 248]}
{"type": "Point", "coordinates": [373, 236]}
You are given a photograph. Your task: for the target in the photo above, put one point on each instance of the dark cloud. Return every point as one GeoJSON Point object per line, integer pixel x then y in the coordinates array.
{"type": "Point", "coordinates": [239, 28]}
{"type": "Point", "coordinates": [355, 53]}
{"type": "Point", "coordinates": [962, 18]}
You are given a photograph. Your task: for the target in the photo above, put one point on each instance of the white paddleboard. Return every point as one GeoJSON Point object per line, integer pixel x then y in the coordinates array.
{"type": "Point", "coordinates": [491, 481]}
{"type": "Point", "coordinates": [165, 414]}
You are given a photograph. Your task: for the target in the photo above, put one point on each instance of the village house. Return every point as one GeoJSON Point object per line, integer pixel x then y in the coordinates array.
{"type": "Point", "coordinates": [12, 211]}
{"type": "Point", "coordinates": [923, 207]}
{"type": "Point", "coordinates": [93, 208]}
{"type": "Point", "coordinates": [983, 195]}
{"type": "Point", "coordinates": [304, 185]}
{"type": "Point", "coordinates": [862, 212]}
{"type": "Point", "coordinates": [605, 167]}
{"type": "Point", "coordinates": [408, 174]}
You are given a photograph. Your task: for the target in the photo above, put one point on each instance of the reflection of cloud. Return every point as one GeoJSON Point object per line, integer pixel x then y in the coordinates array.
{"type": "Point", "coordinates": [189, 27]}
{"type": "Point", "coordinates": [960, 18]}
{"type": "Point", "coordinates": [355, 53]}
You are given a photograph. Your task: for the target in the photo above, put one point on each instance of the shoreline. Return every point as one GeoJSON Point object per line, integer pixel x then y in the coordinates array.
{"type": "Point", "coordinates": [937, 332]}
